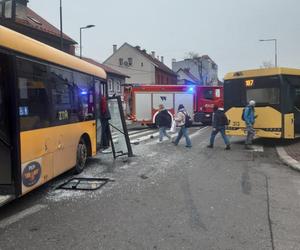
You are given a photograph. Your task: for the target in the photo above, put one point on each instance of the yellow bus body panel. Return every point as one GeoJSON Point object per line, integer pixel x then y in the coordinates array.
{"type": "Point", "coordinates": [261, 73]}
{"type": "Point", "coordinates": [267, 118]}
{"type": "Point", "coordinates": [20, 43]}
{"type": "Point", "coordinates": [53, 149]}
{"type": "Point", "coordinates": [289, 130]}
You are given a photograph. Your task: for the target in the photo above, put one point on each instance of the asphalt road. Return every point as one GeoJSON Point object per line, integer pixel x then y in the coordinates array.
{"type": "Point", "coordinates": [166, 197]}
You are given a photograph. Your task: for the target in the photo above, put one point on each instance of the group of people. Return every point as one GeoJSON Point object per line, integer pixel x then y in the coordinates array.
{"type": "Point", "coordinates": [164, 120]}
{"type": "Point", "coordinates": [219, 123]}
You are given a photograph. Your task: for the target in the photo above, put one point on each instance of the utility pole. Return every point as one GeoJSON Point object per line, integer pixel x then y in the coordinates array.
{"type": "Point", "coordinates": [61, 28]}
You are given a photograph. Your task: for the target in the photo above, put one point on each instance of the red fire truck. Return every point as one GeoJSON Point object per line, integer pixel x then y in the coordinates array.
{"type": "Point", "coordinates": [144, 101]}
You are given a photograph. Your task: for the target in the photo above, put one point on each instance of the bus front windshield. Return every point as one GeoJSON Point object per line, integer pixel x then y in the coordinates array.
{"type": "Point", "coordinates": [264, 90]}
{"type": "Point", "coordinates": [263, 95]}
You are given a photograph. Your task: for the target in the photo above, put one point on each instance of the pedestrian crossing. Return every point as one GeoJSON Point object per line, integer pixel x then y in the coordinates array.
{"type": "Point", "coordinates": [137, 136]}
{"type": "Point", "coordinates": [150, 136]}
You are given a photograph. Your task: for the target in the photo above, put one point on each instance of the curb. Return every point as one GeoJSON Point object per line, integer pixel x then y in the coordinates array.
{"type": "Point", "coordinates": [288, 160]}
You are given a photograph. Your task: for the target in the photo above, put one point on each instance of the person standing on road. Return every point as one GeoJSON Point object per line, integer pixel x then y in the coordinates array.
{"type": "Point", "coordinates": [104, 119]}
{"type": "Point", "coordinates": [249, 118]}
{"type": "Point", "coordinates": [163, 122]}
{"type": "Point", "coordinates": [219, 122]}
{"type": "Point", "coordinates": [180, 119]}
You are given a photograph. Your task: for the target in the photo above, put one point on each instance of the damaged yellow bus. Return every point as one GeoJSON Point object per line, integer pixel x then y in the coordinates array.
{"type": "Point", "coordinates": [49, 106]}
{"type": "Point", "coordinates": [276, 92]}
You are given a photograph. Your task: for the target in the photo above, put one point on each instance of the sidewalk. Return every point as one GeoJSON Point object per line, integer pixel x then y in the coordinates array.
{"type": "Point", "coordinates": [290, 154]}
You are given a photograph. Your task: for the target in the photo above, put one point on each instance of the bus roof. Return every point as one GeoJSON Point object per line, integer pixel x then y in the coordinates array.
{"type": "Point", "coordinates": [261, 72]}
{"type": "Point", "coordinates": [20, 43]}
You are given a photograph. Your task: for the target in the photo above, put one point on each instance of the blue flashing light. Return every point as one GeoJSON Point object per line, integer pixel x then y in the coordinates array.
{"type": "Point", "coordinates": [191, 89]}
{"type": "Point", "coordinates": [83, 92]}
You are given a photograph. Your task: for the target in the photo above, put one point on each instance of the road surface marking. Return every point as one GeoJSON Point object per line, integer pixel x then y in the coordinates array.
{"type": "Point", "coordinates": [21, 215]}
{"type": "Point", "coordinates": [146, 137]}
{"type": "Point", "coordinates": [133, 132]}
{"type": "Point", "coordinates": [256, 148]}
{"type": "Point", "coordinates": [115, 135]}
{"type": "Point", "coordinates": [196, 133]}
{"type": "Point", "coordinates": [143, 133]}
{"type": "Point", "coordinates": [4, 199]}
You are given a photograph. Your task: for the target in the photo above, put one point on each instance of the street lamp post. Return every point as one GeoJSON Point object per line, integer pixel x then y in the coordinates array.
{"type": "Point", "coordinates": [82, 28]}
{"type": "Point", "coordinates": [275, 42]}
{"type": "Point", "coordinates": [61, 27]}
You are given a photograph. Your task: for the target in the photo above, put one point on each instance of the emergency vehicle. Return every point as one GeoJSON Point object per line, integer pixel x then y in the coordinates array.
{"type": "Point", "coordinates": [144, 101]}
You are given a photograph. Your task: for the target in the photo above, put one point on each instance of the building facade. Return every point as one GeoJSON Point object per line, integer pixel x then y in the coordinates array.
{"type": "Point", "coordinates": [141, 67]}
{"type": "Point", "coordinates": [202, 70]}
{"type": "Point", "coordinates": [115, 79]}
{"type": "Point", "coordinates": [16, 15]}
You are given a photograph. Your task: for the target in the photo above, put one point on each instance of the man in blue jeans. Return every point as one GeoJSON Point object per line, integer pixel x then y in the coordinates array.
{"type": "Point", "coordinates": [163, 122]}
{"type": "Point", "coordinates": [180, 119]}
{"type": "Point", "coordinates": [219, 121]}
{"type": "Point", "coordinates": [249, 117]}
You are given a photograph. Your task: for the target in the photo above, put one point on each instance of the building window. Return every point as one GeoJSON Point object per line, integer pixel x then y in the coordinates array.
{"type": "Point", "coordinates": [110, 85]}
{"type": "Point", "coordinates": [142, 64]}
{"type": "Point", "coordinates": [118, 87]}
{"type": "Point", "coordinates": [130, 61]}
{"type": "Point", "coordinates": [121, 61]}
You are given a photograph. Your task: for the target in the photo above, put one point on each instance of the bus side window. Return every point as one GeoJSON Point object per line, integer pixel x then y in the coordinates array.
{"type": "Point", "coordinates": [62, 88]}
{"type": "Point", "coordinates": [33, 94]}
{"type": "Point", "coordinates": [297, 98]}
{"type": "Point", "coordinates": [85, 95]}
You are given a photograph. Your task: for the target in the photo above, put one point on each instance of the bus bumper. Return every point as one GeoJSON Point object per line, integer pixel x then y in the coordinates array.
{"type": "Point", "coordinates": [263, 133]}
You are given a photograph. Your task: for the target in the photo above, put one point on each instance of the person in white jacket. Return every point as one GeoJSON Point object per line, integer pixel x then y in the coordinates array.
{"type": "Point", "coordinates": [180, 119]}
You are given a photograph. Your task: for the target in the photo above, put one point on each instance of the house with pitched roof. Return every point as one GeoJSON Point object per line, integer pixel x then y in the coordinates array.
{"type": "Point", "coordinates": [143, 68]}
{"type": "Point", "coordinates": [185, 77]}
{"type": "Point", "coordinates": [16, 15]}
{"type": "Point", "coordinates": [202, 70]}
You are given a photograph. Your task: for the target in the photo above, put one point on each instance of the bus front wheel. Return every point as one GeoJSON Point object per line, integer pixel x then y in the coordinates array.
{"type": "Point", "coordinates": [82, 154]}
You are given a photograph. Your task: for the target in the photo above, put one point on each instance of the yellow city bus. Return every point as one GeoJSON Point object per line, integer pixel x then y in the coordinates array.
{"type": "Point", "coordinates": [277, 95]}
{"type": "Point", "coordinates": [49, 108]}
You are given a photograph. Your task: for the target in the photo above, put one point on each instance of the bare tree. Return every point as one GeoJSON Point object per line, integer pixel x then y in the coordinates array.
{"type": "Point", "coordinates": [197, 59]}
{"type": "Point", "coordinates": [267, 65]}
{"type": "Point", "coordinates": [192, 55]}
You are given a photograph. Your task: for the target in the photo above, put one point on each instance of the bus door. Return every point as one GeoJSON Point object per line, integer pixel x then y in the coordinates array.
{"type": "Point", "coordinates": [297, 108]}
{"type": "Point", "coordinates": [99, 91]}
{"type": "Point", "coordinates": [293, 100]}
{"type": "Point", "coordinates": [5, 139]}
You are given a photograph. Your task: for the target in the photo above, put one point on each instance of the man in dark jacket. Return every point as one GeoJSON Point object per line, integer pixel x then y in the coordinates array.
{"type": "Point", "coordinates": [163, 122]}
{"type": "Point", "coordinates": [219, 121]}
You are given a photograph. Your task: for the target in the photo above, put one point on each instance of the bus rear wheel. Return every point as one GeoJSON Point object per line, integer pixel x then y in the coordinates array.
{"type": "Point", "coordinates": [81, 158]}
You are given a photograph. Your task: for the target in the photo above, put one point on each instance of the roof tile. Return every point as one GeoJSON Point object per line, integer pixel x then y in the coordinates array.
{"type": "Point", "coordinates": [33, 20]}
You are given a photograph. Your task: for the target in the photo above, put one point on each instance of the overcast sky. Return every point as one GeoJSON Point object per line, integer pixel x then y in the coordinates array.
{"type": "Point", "coordinates": [228, 31]}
